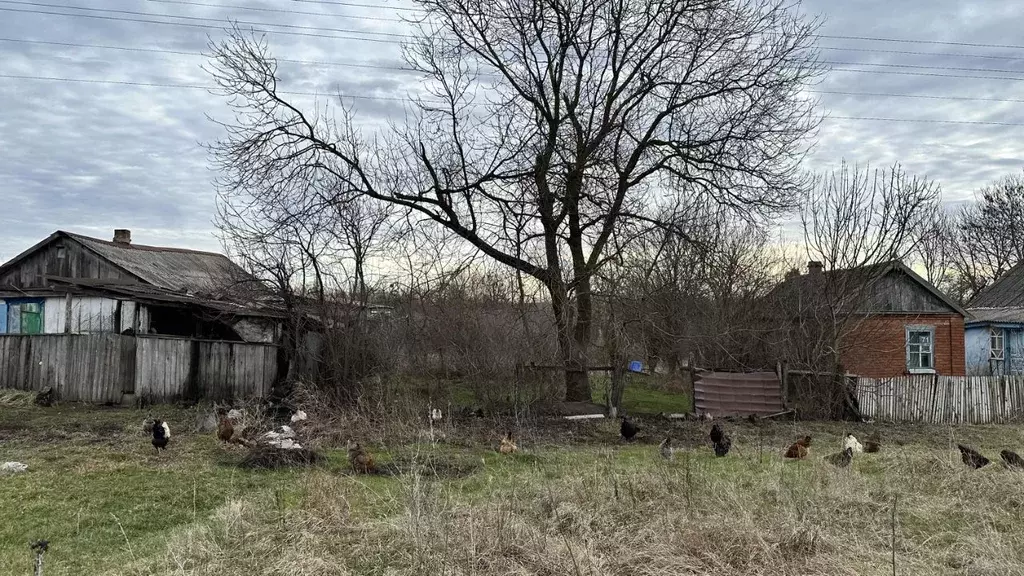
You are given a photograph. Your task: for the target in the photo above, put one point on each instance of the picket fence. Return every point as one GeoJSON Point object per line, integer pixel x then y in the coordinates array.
{"type": "Point", "coordinates": [942, 399]}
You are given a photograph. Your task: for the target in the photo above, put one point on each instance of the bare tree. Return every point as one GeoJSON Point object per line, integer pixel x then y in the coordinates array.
{"type": "Point", "coordinates": [987, 236]}
{"type": "Point", "coordinates": [855, 222]}
{"type": "Point", "coordinates": [546, 127]}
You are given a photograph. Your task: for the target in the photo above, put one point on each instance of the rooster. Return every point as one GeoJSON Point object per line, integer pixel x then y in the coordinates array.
{"type": "Point", "coordinates": [841, 459]}
{"type": "Point", "coordinates": [850, 441]}
{"type": "Point", "coordinates": [225, 428]}
{"type": "Point", "coordinates": [360, 459]}
{"type": "Point", "coordinates": [720, 440]}
{"type": "Point", "coordinates": [799, 449]}
{"type": "Point", "coordinates": [508, 445]}
{"type": "Point", "coordinates": [161, 435]}
{"type": "Point", "coordinates": [716, 434]}
{"type": "Point", "coordinates": [1011, 459]}
{"type": "Point", "coordinates": [972, 457]}
{"type": "Point", "coordinates": [665, 448]}
{"type": "Point", "coordinates": [627, 429]}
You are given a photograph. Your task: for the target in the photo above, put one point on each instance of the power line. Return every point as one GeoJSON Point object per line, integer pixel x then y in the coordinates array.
{"type": "Point", "coordinates": [923, 96]}
{"type": "Point", "coordinates": [918, 67]}
{"type": "Point", "coordinates": [189, 25]}
{"type": "Point", "coordinates": [194, 87]}
{"type": "Point", "coordinates": [926, 120]}
{"type": "Point", "coordinates": [359, 5]}
{"type": "Point", "coordinates": [276, 10]}
{"type": "Point", "coordinates": [200, 54]}
{"type": "Point", "coordinates": [919, 53]}
{"type": "Point", "coordinates": [929, 74]}
{"type": "Point", "coordinates": [911, 41]}
{"type": "Point", "coordinates": [201, 19]}
{"type": "Point", "coordinates": [400, 99]}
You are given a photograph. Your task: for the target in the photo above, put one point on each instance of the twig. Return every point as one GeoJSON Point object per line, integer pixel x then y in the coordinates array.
{"type": "Point", "coordinates": [126, 541]}
{"type": "Point", "coordinates": [895, 498]}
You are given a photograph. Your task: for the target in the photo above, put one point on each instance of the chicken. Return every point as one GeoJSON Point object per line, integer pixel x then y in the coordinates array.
{"type": "Point", "coordinates": [627, 429]}
{"type": "Point", "coordinates": [436, 415]}
{"type": "Point", "coordinates": [665, 448]}
{"type": "Point", "coordinates": [161, 435]}
{"type": "Point", "coordinates": [299, 416]}
{"type": "Point", "coordinates": [799, 449]}
{"type": "Point", "coordinates": [873, 443]}
{"type": "Point", "coordinates": [716, 434]}
{"type": "Point", "coordinates": [972, 457]}
{"type": "Point", "coordinates": [360, 459]}
{"type": "Point", "coordinates": [841, 459]}
{"type": "Point", "coordinates": [722, 446]}
{"type": "Point", "coordinates": [508, 445]}
{"type": "Point", "coordinates": [850, 441]}
{"type": "Point", "coordinates": [225, 428]}
{"type": "Point", "coordinates": [1011, 459]}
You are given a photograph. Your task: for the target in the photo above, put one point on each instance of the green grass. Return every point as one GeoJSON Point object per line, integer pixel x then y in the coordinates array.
{"type": "Point", "coordinates": [599, 507]}
{"type": "Point", "coordinates": [647, 395]}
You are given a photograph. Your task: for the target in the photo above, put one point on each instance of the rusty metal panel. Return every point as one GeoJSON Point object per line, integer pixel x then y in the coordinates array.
{"type": "Point", "coordinates": [738, 393]}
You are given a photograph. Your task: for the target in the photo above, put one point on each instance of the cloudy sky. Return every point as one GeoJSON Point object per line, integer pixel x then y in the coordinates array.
{"type": "Point", "coordinates": [103, 112]}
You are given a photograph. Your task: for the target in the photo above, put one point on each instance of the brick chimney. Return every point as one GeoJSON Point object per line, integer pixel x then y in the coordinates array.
{"type": "Point", "coordinates": [814, 267]}
{"type": "Point", "coordinates": [122, 236]}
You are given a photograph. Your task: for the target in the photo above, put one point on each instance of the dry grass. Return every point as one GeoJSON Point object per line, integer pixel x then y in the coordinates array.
{"type": "Point", "coordinates": [600, 510]}
{"type": "Point", "coordinates": [16, 398]}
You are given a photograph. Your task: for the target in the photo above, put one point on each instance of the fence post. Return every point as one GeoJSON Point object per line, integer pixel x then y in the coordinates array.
{"type": "Point", "coordinates": [781, 371]}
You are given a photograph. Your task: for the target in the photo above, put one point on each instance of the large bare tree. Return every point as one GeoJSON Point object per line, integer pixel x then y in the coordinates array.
{"type": "Point", "coordinates": [546, 127]}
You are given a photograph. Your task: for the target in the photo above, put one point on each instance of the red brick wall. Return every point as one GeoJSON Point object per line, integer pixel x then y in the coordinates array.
{"type": "Point", "coordinates": [876, 346]}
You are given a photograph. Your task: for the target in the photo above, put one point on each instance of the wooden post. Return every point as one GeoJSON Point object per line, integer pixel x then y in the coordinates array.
{"type": "Point", "coordinates": [67, 313]}
{"type": "Point", "coordinates": [693, 381]}
{"type": "Point", "coordinates": [65, 380]}
{"type": "Point", "coordinates": [783, 373]}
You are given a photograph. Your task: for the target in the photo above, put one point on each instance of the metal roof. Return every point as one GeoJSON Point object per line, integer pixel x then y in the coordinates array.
{"type": "Point", "coordinates": [174, 269]}
{"type": "Point", "coordinates": [1007, 315]}
{"type": "Point", "coordinates": [1006, 292]}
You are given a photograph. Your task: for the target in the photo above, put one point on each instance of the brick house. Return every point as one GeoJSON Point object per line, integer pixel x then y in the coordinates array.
{"type": "Point", "coordinates": [876, 321]}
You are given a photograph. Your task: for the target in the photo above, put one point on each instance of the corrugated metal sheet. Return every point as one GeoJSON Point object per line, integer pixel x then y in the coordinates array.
{"type": "Point", "coordinates": [734, 393]}
{"type": "Point", "coordinates": [170, 268]}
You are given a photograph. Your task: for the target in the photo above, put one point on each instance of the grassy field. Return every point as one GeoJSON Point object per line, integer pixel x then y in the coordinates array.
{"type": "Point", "coordinates": [574, 501]}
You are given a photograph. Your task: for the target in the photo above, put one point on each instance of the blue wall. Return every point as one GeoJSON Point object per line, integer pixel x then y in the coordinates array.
{"type": "Point", "coordinates": [976, 350]}
{"type": "Point", "coordinates": [3, 317]}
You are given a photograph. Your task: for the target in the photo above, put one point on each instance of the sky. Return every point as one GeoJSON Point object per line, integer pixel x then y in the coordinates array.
{"type": "Point", "coordinates": [104, 113]}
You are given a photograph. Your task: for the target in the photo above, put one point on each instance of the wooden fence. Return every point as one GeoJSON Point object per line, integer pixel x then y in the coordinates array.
{"type": "Point", "coordinates": [102, 368]}
{"type": "Point", "coordinates": [942, 399]}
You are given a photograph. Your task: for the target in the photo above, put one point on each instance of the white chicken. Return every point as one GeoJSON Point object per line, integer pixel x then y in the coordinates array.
{"type": "Point", "coordinates": [849, 441]}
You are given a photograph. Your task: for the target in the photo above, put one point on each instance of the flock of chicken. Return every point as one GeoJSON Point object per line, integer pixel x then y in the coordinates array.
{"type": "Point", "coordinates": [363, 462]}
{"type": "Point", "coordinates": [721, 443]}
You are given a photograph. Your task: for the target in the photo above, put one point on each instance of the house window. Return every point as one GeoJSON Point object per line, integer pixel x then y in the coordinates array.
{"type": "Point", "coordinates": [24, 317]}
{"type": "Point", "coordinates": [920, 348]}
{"type": "Point", "coordinates": [996, 344]}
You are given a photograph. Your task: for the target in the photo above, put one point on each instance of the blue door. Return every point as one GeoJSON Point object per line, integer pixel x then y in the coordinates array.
{"type": "Point", "coordinates": [3, 317]}
{"type": "Point", "coordinates": [1014, 351]}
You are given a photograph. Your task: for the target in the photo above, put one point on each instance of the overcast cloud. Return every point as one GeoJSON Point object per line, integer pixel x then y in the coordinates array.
{"type": "Point", "coordinates": [90, 157]}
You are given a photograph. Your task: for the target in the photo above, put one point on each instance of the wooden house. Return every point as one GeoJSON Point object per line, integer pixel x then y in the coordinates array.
{"type": "Point", "coordinates": [111, 321]}
{"type": "Point", "coordinates": [876, 321]}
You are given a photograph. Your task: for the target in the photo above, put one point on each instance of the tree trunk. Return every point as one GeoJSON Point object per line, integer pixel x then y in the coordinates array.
{"type": "Point", "coordinates": [573, 341]}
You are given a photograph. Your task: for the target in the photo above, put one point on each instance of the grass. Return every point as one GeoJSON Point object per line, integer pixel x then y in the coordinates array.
{"type": "Point", "coordinates": [593, 506]}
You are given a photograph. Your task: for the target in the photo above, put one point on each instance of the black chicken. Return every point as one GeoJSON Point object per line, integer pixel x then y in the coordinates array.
{"type": "Point", "coordinates": [722, 446]}
{"type": "Point", "coordinates": [716, 434]}
{"type": "Point", "coordinates": [627, 429]}
{"type": "Point", "coordinates": [972, 457]}
{"type": "Point", "coordinates": [161, 435]}
{"type": "Point", "coordinates": [840, 459]}
{"type": "Point", "coordinates": [873, 444]}
{"type": "Point", "coordinates": [1011, 459]}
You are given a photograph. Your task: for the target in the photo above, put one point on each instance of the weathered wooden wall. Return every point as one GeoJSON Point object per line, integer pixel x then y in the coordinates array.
{"type": "Point", "coordinates": [942, 399]}
{"type": "Point", "coordinates": [100, 368]}
{"type": "Point", "coordinates": [61, 257]}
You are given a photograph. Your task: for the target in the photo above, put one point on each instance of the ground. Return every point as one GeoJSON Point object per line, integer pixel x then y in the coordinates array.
{"type": "Point", "coordinates": [575, 500]}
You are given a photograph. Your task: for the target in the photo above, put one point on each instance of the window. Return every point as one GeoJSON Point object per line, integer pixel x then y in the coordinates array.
{"type": "Point", "coordinates": [996, 344]}
{"type": "Point", "coordinates": [920, 348]}
{"type": "Point", "coordinates": [24, 317]}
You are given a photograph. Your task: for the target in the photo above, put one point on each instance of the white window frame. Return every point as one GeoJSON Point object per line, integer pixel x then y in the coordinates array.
{"type": "Point", "coordinates": [1000, 352]}
{"type": "Point", "coordinates": [931, 349]}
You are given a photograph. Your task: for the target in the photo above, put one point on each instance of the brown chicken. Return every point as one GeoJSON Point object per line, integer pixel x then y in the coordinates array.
{"type": "Point", "coordinates": [360, 459]}
{"type": "Point", "coordinates": [225, 428]}
{"type": "Point", "coordinates": [799, 449]}
{"type": "Point", "coordinates": [508, 445]}
{"type": "Point", "coordinates": [873, 443]}
{"type": "Point", "coordinates": [1011, 459]}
